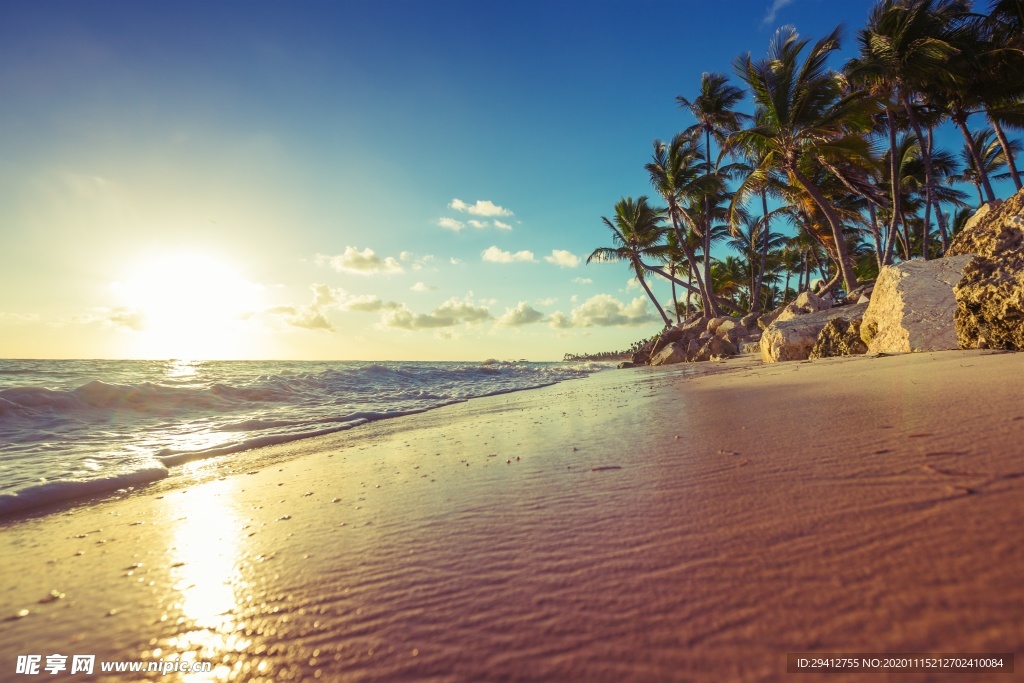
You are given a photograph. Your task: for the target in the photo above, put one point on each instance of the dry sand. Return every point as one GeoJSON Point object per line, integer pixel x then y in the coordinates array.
{"type": "Point", "coordinates": [567, 534]}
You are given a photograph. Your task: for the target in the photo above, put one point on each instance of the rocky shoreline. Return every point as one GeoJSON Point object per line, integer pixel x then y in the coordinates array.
{"type": "Point", "coordinates": [973, 298]}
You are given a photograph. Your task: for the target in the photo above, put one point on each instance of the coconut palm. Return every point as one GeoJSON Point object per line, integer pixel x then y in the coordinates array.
{"type": "Point", "coordinates": [753, 242]}
{"type": "Point", "coordinates": [674, 173]}
{"type": "Point", "coordinates": [636, 234]}
{"type": "Point", "coordinates": [808, 120]}
{"type": "Point", "coordinates": [714, 108]}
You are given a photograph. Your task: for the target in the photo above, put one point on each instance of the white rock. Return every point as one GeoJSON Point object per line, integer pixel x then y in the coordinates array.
{"type": "Point", "coordinates": [912, 306]}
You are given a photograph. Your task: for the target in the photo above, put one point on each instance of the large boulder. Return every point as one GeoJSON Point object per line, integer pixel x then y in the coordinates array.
{"type": "Point", "coordinates": [643, 354]}
{"type": "Point", "coordinates": [839, 337]}
{"type": "Point", "coordinates": [912, 305]}
{"type": "Point", "coordinates": [990, 297]}
{"type": "Point", "coordinates": [672, 334]}
{"type": "Point", "coordinates": [673, 353]}
{"type": "Point", "coordinates": [794, 339]}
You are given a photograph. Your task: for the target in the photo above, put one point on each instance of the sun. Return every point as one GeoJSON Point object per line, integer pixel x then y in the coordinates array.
{"type": "Point", "coordinates": [189, 305]}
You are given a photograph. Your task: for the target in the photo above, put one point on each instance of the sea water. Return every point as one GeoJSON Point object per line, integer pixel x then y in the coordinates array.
{"type": "Point", "coordinates": [71, 428]}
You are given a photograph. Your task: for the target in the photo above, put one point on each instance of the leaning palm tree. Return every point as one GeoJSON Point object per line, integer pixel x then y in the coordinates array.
{"type": "Point", "coordinates": [809, 120]}
{"type": "Point", "coordinates": [636, 233]}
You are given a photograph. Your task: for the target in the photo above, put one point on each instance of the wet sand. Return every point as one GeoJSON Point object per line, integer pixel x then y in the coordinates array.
{"type": "Point", "coordinates": [641, 525]}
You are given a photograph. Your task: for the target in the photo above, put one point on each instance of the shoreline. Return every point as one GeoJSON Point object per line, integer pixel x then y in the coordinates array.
{"type": "Point", "coordinates": [830, 506]}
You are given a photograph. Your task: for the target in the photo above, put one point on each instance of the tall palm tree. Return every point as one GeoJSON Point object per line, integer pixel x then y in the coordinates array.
{"type": "Point", "coordinates": [808, 120]}
{"type": "Point", "coordinates": [714, 108]}
{"type": "Point", "coordinates": [749, 239]}
{"type": "Point", "coordinates": [636, 233]}
{"type": "Point", "coordinates": [906, 47]}
{"type": "Point", "coordinates": [674, 173]}
{"type": "Point", "coordinates": [983, 146]}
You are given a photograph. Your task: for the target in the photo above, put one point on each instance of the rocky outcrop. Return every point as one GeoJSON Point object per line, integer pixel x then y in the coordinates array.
{"type": "Point", "coordinates": [805, 303]}
{"type": "Point", "coordinates": [912, 306]}
{"type": "Point", "coordinates": [990, 297]}
{"type": "Point", "coordinates": [673, 353]}
{"type": "Point", "coordinates": [990, 303]}
{"type": "Point", "coordinates": [839, 337]}
{"type": "Point", "coordinates": [794, 339]}
{"type": "Point", "coordinates": [715, 347]}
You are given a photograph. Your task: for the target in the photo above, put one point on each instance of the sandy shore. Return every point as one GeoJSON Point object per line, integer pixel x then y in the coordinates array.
{"type": "Point", "coordinates": [642, 525]}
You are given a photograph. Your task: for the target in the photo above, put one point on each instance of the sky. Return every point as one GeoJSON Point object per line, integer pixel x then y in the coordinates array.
{"type": "Point", "coordinates": [342, 180]}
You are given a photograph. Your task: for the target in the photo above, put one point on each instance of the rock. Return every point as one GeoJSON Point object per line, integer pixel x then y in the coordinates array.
{"type": "Point", "coordinates": [704, 336]}
{"type": "Point", "coordinates": [643, 355]}
{"type": "Point", "coordinates": [912, 306]}
{"type": "Point", "coordinates": [838, 338]}
{"type": "Point", "coordinates": [805, 303]}
{"type": "Point", "coordinates": [794, 339]}
{"type": "Point", "coordinates": [994, 228]}
{"type": "Point", "coordinates": [990, 297]}
{"type": "Point", "coordinates": [670, 335]}
{"type": "Point", "coordinates": [768, 318]}
{"type": "Point", "coordinates": [749, 321]}
{"type": "Point", "coordinates": [715, 346]}
{"type": "Point", "coordinates": [695, 324]}
{"type": "Point", "coordinates": [990, 303]}
{"type": "Point", "coordinates": [715, 323]}
{"type": "Point", "coordinates": [728, 325]}
{"type": "Point", "coordinates": [692, 349]}
{"type": "Point", "coordinates": [673, 353]}
{"type": "Point", "coordinates": [625, 364]}
{"type": "Point", "coordinates": [750, 347]}
{"type": "Point", "coordinates": [861, 292]}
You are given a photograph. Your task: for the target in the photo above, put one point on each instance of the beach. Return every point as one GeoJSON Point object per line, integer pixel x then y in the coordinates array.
{"type": "Point", "coordinates": [686, 523]}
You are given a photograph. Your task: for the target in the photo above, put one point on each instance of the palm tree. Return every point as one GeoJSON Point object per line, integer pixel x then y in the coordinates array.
{"type": "Point", "coordinates": [674, 173]}
{"type": "Point", "coordinates": [715, 111]}
{"type": "Point", "coordinates": [749, 239]}
{"type": "Point", "coordinates": [636, 233]}
{"type": "Point", "coordinates": [983, 146]}
{"type": "Point", "coordinates": [808, 120]}
{"type": "Point", "coordinates": [906, 47]}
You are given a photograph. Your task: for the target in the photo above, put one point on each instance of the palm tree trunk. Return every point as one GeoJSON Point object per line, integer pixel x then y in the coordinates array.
{"type": "Point", "coordinates": [961, 122]}
{"type": "Point", "coordinates": [675, 299]}
{"type": "Point", "coordinates": [691, 260]}
{"type": "Point", "coordinates": [940, 218]}
{"type": "Point", "coordinates": [711, 308]}
{"type": "Point", "coordinates": [845, 264]}
{"type": "Point", "coordinates": [807, 270]}
{"type": "Point", "coordinates": [894, 174]}
{"type": "Point", "coordinates": [876, 235]}
{"type": "Point", "coordinates": [689, 292]}
{"type": "Point", "coordinates": [638, 267]}
{"type": "Point", "coordinates": [926, 157]}
{"type": "Point", "coordinates": [1007, 152]}
{"type": "Point", "coordinates": [789, 274]}
{"type": "Point", "coordinates": [755, 297]}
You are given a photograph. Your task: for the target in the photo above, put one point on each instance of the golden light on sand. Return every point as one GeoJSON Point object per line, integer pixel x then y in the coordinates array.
{"type": "Point", "coordinates": [186, 305]}
{"type": "Point", "coordinates": [206, 545]}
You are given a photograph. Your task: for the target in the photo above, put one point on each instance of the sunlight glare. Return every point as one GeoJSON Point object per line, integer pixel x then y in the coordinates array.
{"type": "Point", "coordinates": [188, 305]}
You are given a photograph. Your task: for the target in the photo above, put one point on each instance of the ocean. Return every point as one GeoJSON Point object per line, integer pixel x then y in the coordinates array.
{"type": "Point", "coordinates": [74, 428]}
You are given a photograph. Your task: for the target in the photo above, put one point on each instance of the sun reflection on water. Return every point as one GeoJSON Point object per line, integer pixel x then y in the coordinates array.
{"type": "Point", "coordinates": [206, 556]}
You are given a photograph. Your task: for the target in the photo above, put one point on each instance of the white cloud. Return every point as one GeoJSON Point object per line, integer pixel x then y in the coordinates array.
{"type": "Point", "coordinates": [563, 258]}
{"type": "Point", "coordinates": [496, 255]}
{"type": "Point", "coordinates": [769, 17]}
{"type": "Point", "coordinates": [547, 302]}
{"type": "Point", "coordinates": [405, 256]}
{"type": "Point", "coordinates": [632, 283]}
{"type": "Point", "coordinates": [422, 287]}
{"type": "Point", "coordinates": [502, 226]}
{"type": "Point", "coordinates": [603, 310]}
{"type": "Point", "coordinates": [583, 280]}
{"type": "Point", "coordinates": [19, 317]}
{"type": "Point", "coordinates": [121, 316]}
{"type": "Point", "coordinates": [364, 262]}
{"type": "Point", "coordinates": [450, 224]}
{"type": "Point", "coordinates": [454, 261]}
{"type": "Point", "coordinates": [313, 316]}
{"type": "Point", "coordinates": [449, 314]}
{"type": "Point", "coordinates": [522, 314]}
{"type": "Point", "coordinates": [477, 224]}
{"type": "Point", "coordinates": [482, 207]}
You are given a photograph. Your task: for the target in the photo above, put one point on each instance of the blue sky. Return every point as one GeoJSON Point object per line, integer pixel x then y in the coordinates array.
{"type": "Point", "coordinates": [271, 179]}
